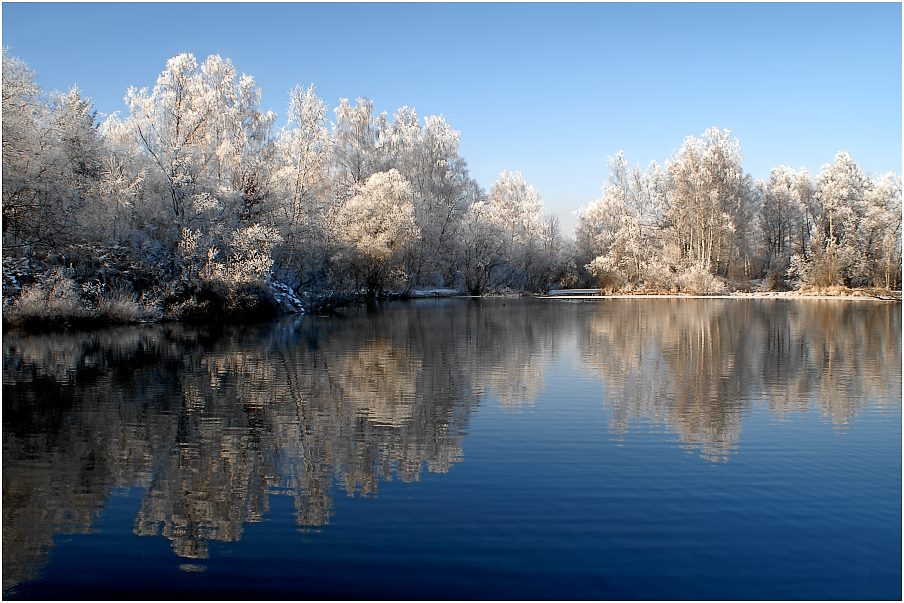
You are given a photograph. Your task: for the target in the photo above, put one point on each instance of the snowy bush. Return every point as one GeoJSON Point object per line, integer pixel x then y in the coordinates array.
{"type": "Point", "coordinates": [54, 299]}
{"type": "Point", "coordinates": [606, 275]}
{"type": "Point", "coordinates": [122, 305]}
{"type": "Point", "coordinates": [700, 281]}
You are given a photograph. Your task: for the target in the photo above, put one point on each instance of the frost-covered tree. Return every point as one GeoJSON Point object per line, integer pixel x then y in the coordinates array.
{"type": "Point", "coordinates": [482, 248]}
{"type": "Point", "coordinates": [880, 232]}
{"type": "Point", "coordinates": [841, 189]}
{"type": "Point", "coordinates": [358, 140]}
{"type": "Point", "coordinates": [77, 152]}
{"type": "Point", "coordinates": [52, 156]}
{"type": "Point", "coordinates": [122, 208]}
{"type": "Point", "coordinates": [245, 259]}
{"type": "Point", "coordinates": [302, 158]}
{"type": "Point", "coordinates": [602, 230]}
{"type": "Point", "coordinates": [710, 206]}
{"type": "Point", "coordinates": [171, 122]}
{"type": "Point", "coordinates": [73, 125]}
{"type": "Point", "coordinates": [551, 258]}
{"type": "Point", "coordinates": [618, 234]}
{"type": "Point", "coordinates": [785, 218]}
{"type": "Point", "coordinates": [506, 242]}
{"type": "Point", "coordinates": [302, 190]}
{"type": "Point", "coordinates": [200, 150]}
{"type": "Point", "coordinates": [513, 206]}
{"type": "Point", "coordinates": [33, 215]}
{"type": "Point", "coordinates": [190, 194]}
{"type": "Point", "coordinates": [376, 227]}
{"type": "Point", "coordinates": [836, 253]}
{"type": "Point", "coordinates": [427, 156]}
{"type": "Point", "coordinates": [857, 236]}
{"type": "Point", "coordinates": [204, 134]}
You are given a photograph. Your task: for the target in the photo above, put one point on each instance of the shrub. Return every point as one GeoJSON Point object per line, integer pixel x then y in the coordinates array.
{"type": "Point", "coordinates": [700, 281]}
{"type": "Point", "coordinates": [606, 274]}
{"type": "Point", "coordinates": [772, 281]}
{"type": "Point", "coordinates": [659, 277]}
{"type": "Point", "coordinates": [215, 300]}
{"type": "Point", "coordinates": [122, 305]}
{"type": "Point", "coordinates": [54, 300]}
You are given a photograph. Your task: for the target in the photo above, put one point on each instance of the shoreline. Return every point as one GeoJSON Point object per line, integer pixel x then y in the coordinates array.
{"type": "Point", "coordinates": [91, 323]}
{"type": "Point", "coordinates": [785, 295]}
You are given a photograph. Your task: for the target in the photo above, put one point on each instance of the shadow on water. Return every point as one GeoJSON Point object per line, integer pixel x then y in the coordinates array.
{"type": "Point", "coordinates": [211, 421]}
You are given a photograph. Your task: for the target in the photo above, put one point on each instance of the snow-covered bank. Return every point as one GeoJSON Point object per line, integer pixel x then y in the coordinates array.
{"type": "Point", "coordinates": [435, 292]}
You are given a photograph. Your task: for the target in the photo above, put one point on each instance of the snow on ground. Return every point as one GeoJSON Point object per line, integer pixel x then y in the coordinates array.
{"type": "Point", "coordinates": [288, 301]}
{"type": "Point", "coordinates": [436, 292]}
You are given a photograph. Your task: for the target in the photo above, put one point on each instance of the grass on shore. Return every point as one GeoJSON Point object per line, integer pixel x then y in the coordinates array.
{"type": "Point", "coordinates": [56, 301]}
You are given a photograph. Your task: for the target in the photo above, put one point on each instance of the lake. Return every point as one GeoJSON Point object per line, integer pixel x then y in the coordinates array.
{"type": "Point", "coordinates": [496, 448]}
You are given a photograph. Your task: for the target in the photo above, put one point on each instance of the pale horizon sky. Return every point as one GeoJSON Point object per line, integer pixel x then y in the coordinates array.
{"type": "Point", "coordinates": [550, 90]}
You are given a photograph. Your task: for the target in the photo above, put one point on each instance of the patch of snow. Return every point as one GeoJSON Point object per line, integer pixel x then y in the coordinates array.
{"type": "Point", "coordinates": [286, 298]}
{"type": "Point", "coordinates": [434, 292]}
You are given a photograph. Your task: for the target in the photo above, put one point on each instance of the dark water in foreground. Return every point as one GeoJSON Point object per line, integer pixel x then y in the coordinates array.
{"type": "Point", "coordinates": [456, 449]}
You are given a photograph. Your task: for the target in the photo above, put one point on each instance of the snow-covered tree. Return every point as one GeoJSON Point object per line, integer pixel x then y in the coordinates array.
{"type": "Point", "coordinates": [482, 248]}
{"type": "Point", "coordinates": [203, 132]}
{"type": "Point", "coordinates": [513, 206]}
{"type": "Point", "coordinates": [784, 216]}
{"type": "Point", "coordinates": [880, 232]}
{"type": "Point", "coordinates": [358, 139]}
{"type": "Point", "coordinates": [618, 234]}
{"type": "Point", "coordinates": [302, 194]}
{"type": "Point", "coordinates": [427, 156]}
{"type": "Point", "coordinates": [710, 206]}
{"type": "Point", "coordinates": [52, 156]}
{"type": "Point", "coordinates": [194, 196]}
{"type": "Point", "coordinates": [302, 159]}
{"type": "Point", "coordinates": [506, 242]}
{"type": "Point", "coordinates": [550, 258]}
{"type": "Point", "coordinates": [376, 227]}
{"type": "Point", "coordinates": [837, 252]}
{"type": "Point", "coordinates": [28, 215]}
{"type": "Point", "coordinates": [841, 188]}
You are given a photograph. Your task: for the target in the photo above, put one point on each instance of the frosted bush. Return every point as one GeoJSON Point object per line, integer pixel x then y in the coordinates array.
{"type": "Point", "coordinates": [605, 273]}
{"type": "Point", "coordinates": [55, 298]}
{"type": "Point", "coordinates": [251, 258]}
{"type": "Point", "coordinates": [657, 276]}
{"type": "Point", "coordinates": [122, 305]}
{"type": "Point", "coordinates": [698, 280]}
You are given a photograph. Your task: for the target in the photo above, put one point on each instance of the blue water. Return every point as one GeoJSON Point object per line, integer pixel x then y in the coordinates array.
{"type": "Point", "coordinates": [611, 449]}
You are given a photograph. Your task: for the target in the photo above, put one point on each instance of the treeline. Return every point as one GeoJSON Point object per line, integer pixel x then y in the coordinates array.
{"type": "Point", "coordinates": [194, 203]}
{"type": "Point", "coordinates": [701, 224]}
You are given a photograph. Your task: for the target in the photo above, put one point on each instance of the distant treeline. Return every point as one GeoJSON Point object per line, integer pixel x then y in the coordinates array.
{"type": "Point", "coordinates": [700, 223]}
{"type": "Point", "coordinates": [194, 204]}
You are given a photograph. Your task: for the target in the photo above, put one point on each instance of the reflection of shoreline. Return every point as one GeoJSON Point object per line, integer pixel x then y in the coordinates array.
{"type": "Point", "coordinates": [697, 368]}
{"type": "Point", "coordinates": [210, 421]}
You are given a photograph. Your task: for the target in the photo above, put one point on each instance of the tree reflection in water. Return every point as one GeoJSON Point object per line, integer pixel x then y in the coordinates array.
{"type": "Point", "coordinates": [210, 422]}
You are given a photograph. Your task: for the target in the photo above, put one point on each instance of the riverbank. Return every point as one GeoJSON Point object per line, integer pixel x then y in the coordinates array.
{"type": "Point", "coordinates": [851, 295]}
{"type": "Point", "coordinates": [62, 312]}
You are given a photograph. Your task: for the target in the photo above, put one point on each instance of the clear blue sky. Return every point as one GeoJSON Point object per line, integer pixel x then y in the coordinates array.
{"type": "Point", "coordinates": [547, 89]}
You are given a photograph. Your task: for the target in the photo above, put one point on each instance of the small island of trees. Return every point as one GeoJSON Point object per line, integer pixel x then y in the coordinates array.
{"type": "Point", "coordinates": [193, 204]}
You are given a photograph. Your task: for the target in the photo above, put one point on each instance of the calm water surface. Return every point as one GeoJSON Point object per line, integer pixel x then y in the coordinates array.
{"type": "Point", "coordinates": [462, 449]}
